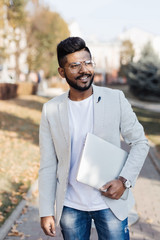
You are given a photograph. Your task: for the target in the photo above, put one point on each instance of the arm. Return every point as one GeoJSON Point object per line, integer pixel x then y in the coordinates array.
{"type": "Point", "coordinates": [133, 134]}
{"type": "Point", "coordinates": [47, 176]}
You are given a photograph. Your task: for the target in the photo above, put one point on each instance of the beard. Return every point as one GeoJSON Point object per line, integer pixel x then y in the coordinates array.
{"type": "Point", "coordinates": [75, 84]}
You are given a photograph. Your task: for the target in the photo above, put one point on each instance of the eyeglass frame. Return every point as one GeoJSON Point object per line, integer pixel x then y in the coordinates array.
{"type": "Point", "coordinates": [80, 65]}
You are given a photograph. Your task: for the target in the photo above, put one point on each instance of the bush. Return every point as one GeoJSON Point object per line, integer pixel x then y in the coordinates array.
{"type": "Point", "coordinates": [8, 90]}
{"type": "Point", "coordinates": [26, 88]}
{"type": "Point", "coordinates": [144, 80]}
{"type": "Point", "coordinates": [144, 75]}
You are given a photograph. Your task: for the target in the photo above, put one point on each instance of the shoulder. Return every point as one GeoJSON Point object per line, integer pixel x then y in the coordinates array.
{"type": "Point", "coordinates": [56, 100]}
{"type": "Point", "coordinates": [53, 103]}
{"type": "Point", "coordinates": [108, 92]}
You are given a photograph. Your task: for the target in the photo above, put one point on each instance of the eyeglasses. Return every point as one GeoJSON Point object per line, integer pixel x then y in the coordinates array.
{"type": "Point", "coordinates": [76, 66]}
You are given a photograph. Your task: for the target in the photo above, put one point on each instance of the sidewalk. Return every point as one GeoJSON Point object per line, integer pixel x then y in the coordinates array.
{"type": "Point", "coordinates": [147, 196]}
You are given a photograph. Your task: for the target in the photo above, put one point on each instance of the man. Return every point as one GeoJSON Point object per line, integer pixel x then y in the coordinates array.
{"type": "Point", "coordinates": [66, 120]}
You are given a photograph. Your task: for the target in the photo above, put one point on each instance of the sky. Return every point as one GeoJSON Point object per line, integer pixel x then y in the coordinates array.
{"type": "Point", "coordinates": [106, 19]}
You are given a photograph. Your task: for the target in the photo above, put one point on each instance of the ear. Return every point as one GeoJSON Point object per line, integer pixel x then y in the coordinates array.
{"type": "Point", "coordinates": [61, 72]}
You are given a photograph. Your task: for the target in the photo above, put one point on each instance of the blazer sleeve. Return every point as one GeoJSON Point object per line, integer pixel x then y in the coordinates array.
{"type": "Point", "coordinates": [133, 134]}
{"type": "Point", "coordinates": [48, 168]}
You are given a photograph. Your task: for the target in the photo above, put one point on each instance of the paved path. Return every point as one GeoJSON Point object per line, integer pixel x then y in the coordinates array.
{"type": "Point", "coordinates": [147, 195]}
{"type": "Point", "coordinates": [154, 107]}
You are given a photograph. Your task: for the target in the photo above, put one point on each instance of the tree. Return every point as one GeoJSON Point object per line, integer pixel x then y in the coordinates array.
{"type": "Point", "coordinates": [13, 19]}
{"type": "Point", "coordinates": [3, 30]}
{"type": "Point", "coordinates": [46, 30]}
{"type": "Point", "coordinates": [126, 56]}
{"type": "Point", "coordinates": [17, 19]}
{"type": "Point", "coordinates": [144, 76]}
{"type": "Point", "coordinates": [149, 55]}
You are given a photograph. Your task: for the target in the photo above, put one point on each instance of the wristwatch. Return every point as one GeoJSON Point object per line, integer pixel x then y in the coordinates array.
{"type": "Point", "coordinates": [127, 183]}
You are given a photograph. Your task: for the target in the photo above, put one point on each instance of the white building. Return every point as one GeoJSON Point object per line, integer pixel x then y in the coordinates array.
{"type": "Point", "coordinates": [107, 54]}
{"type": "Point", "coordinates": [74, 29]}
{"type": "Point", "coordinates": [140, 38]}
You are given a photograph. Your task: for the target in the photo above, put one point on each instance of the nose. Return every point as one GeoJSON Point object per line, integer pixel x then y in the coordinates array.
{"type": "Point", "coordinates": [83, 68]}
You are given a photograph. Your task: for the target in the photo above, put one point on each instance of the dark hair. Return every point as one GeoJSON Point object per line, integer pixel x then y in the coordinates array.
{"type": "Point", "coordinates": [70, 45]}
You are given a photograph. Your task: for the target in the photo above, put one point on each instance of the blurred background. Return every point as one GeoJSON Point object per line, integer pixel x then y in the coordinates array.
{"type": "Point", "coordinates": [124, 38]}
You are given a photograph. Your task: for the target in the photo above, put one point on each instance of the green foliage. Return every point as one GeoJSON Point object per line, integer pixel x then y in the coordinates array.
{"type": "Point", "coordinates": [3, 54]}
{"type": "Point", "coordinates": [46, 30]}
{"type": "Point", "coordinates": [148, 55]}
{"type": "Point", "coordinates": [12, 16]}
{"type": "Point", "coordinates": [144, 76]}
{"type": "Point", "coordinates": [1, 14]}
{"type": "Point", "coordinates": [16, 13]}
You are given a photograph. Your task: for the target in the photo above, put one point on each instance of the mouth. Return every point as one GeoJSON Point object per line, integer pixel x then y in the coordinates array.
{"type": "Point", "coordinates": [84, 78]}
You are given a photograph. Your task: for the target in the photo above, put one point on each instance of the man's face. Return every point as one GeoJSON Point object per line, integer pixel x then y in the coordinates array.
{"type": "Point", "coordinates": [82, 78]}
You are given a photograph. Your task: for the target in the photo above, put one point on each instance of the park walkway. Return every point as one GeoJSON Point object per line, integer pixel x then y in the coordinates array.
{"type": "Point", "coordinates": [147, 196]}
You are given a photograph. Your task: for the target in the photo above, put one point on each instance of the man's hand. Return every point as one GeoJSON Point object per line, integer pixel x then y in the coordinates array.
{"type": "Point", "coordinates": [113, 189]}
{"type": "Point", "coordinates": [48, 225]}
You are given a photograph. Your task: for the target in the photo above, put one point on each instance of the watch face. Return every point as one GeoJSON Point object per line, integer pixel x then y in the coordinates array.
{"type": "Point", "coordinates": [127, 184]}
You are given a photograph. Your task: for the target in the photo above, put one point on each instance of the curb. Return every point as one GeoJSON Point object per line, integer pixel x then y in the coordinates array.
{"type": "Point", "coordinates": [17, 211]}
{"type": "Point", "coordinates": [145, 105]}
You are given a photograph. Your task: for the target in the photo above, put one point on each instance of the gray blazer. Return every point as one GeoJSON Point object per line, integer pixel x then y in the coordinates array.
{"type": "Point", "coordinates": [113, 116]}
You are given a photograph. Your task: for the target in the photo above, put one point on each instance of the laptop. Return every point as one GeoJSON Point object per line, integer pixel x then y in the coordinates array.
{"type": "Point", "coordinates": [100, 162]}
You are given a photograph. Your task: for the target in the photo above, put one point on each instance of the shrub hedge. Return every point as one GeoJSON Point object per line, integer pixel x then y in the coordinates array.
{"type": "Point", "coordinates": [10, 90]}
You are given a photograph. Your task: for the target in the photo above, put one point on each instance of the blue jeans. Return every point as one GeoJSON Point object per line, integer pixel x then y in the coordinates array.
{"type": "Point", "coordinates": [76, 225]}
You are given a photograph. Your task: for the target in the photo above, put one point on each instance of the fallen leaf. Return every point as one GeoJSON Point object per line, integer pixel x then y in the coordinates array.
{"type": "Point", "coordinates": [1, 218]}
{"type": "Point", "coordinates": [24, 210]}
{"type": "Point", "coordinates": [19, 222]}
{"type": "Point", "coordinates": [15, 232]}
{"type": "Point", "coordinates": [14, 200]}
{"type": "Point", "coordinates": [149, 220]}
{"type": "Point", "coordinates": [8, 209]}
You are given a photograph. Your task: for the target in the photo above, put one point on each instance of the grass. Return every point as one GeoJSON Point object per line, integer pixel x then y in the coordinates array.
{"type": "Point", "coordinates": [150, 120]}
{"type": "Point", "coordinates": [19, 151]}
{"type": "Point", "coordinates": [151, 123]}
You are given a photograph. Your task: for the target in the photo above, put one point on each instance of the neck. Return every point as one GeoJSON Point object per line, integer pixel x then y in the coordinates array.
{"type": "Point", "coordinates": [77, 95]}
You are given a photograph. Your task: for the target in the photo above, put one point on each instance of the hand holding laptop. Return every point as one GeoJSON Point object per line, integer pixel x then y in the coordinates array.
{"type": "Point", "coordinates": [101, 164]}
{"type": "Point", "coordinates": [113, 189]}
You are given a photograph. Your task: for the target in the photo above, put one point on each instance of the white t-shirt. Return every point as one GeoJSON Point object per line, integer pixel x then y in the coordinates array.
{"type": "Point", "coordinates": [79, 195]}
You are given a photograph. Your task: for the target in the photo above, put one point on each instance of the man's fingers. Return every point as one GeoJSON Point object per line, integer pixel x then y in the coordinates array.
{"type": "Point", "coordinates": [52, 228]}
{"type": "Point", "coordinates": [48, 231]}
{"type": "Point", "coordinates": [48, 225]}
{"type": "Point", "coordinates": [114, 188]}
{"type": "Point", "coordinates": [109, 194]}
{"type": "Point", "coordinates": [105, 187]}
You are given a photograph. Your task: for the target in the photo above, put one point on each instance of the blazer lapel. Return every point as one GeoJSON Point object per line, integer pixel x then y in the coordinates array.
{"type": "Point", "coordinates": [98, 110]}
{"type": "Point", "coordinates": [64, 120]}
{"type": "Point", "coordinates": [98, 115]}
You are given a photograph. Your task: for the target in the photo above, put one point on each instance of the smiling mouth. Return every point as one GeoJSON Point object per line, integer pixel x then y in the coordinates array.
{"type": "Point", "coordinates": [84, 78]}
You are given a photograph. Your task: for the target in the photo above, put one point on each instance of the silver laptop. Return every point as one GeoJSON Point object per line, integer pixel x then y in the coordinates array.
{"type": "Point", "coordinates": [100, 162]}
